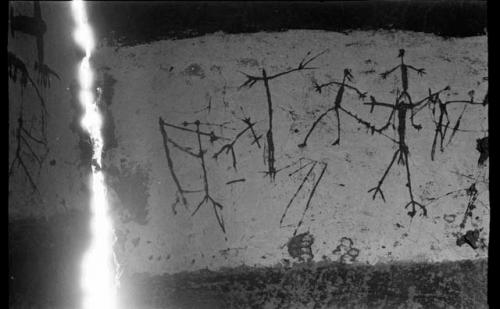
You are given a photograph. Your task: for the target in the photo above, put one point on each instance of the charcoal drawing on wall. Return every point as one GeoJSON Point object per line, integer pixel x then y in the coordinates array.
{"type": "Point", "coordinates": [257, 155]}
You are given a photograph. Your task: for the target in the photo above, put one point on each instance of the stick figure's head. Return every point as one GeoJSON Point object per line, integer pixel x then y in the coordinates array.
{"type": "Point", "coordinates": [401, 53]}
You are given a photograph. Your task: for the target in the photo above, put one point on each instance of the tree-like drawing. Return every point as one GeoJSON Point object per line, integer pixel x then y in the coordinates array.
{"type": "Point", "coordinates": [25, 149]}
{"type": "Point", "coordinates": [229, 147]}
{"type": "Point", "coordinates": [31, 142]}
{"type": "Point", "coordinates": [200, 155]}
{"type": "Point", "coordinates": [28, 145]}
{"type": "Point", "coordinates": [336, 106]}
{"type": "Point", "coordinates": [17, 70]}
{"type": "Point", "coordinates": [252, 80]}
{"type": "Point", "coordinates": [303, 163]}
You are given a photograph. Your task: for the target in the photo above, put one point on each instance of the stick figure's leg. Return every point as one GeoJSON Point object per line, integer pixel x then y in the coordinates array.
{"type": "Point", "coordinates": [315, 123]}
{"type": "Point", "coordinates": [412, 202]}
{"type": "Point", "coordinates": [389, 121]}
{"type": "Point", "coordinates": [378, 189]}
{"type": "Point", "coordinates": [403, 149]}
{"type": "Point", "coordinates": [337, 141]}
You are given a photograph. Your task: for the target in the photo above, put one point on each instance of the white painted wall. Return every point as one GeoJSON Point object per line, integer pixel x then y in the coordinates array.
{"type": "Point", "coordinates": [147, 89]}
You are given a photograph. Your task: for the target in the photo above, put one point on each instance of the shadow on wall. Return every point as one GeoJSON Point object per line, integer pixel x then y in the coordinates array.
{"type": "Point", "coordinates": [44, 260]}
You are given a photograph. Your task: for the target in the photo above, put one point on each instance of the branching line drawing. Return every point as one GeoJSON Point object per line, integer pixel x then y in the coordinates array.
{"type": "Point", "coordinates": [200, 154]}
{"type": "Point", "coordinates": [23, 138]}
{"type": "Point", "coordinates": [15, 65]}
{"type": "Point", "coordinates": [442, 124]}
{"type": "Point", "coordinates": [180, 191]}
{"type": "Point", "coordinates": [256, 138]}
{"type": "Point", "coordinates": [337, 105]}
{"type": "Point", "coordinates": [211, 134]}
{"type": "Point", "coordinates": [229, 147]}
{"type": "Point", "coordinates": [207, 198]}
{"type": "Point", "coordinates": [294, 163]}
{"type": "Point", "coordinates": [28, 146]}
{"type": "Point", "coordinates": [309, 199]}
{"type": "Point", "coordinates": [223, 125]}
{"type": "Point", "coordinates": [309, 174]}
{"type": "Point", "coordinates": [297, 192]}
{"type": "Point", "coordinates": [457, 124]}
{"type": "Point", "coordinates": [252, 80]}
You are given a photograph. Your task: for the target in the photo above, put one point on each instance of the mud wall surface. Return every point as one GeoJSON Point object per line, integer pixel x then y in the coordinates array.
{"type": "Point", "coordinates": [199, 79]}
{"type": "Point", "coordinates": [255, 158]}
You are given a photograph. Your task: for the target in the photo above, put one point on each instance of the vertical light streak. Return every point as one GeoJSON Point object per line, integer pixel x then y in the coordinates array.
{"type": "Point", "coordinates": [99, 279]}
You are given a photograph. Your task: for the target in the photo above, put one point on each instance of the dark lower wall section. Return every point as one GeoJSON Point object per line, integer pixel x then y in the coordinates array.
{"type": "Point", "coordinates": [45, 255]}
{"type": "Point", "coordinates": [143, 22]}
{"type": "Point", "coordinates": [44, 261]}
{"type": "Point", "coordinates": [330, 285]}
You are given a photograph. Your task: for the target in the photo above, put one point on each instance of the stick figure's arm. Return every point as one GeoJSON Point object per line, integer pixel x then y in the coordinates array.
{"type": "Point", "coordinates": [251, 80]}
{"type": "Point", "coordinates": [319, 87]}
{"type": "Point", "coordinates": [419, 71]}
{"type": "Point", "coordinates": [432, 97]}
{"type": "Point", "coordinates": [387, 73]}
{"type": "Point", "coordinates": [302, 65]}
{"type": "Point", "coordinates": [361, 94]}
{"type": "Point", "coordinates": [374, 103]}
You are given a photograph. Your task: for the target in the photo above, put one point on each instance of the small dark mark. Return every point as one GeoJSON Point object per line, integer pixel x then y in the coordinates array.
{"type": "Point", "coordinates": [472, 193]}
{"type": "Point", "coordinates": [482, 147]}
{"type": "Point", "coordinates": [471, 238]}
{"type": "Point", "coordinates": [299, 246]}
{"type": "Point", "coordinates": [235, 181]}
{"type": "Point", "coordinates": [150, 257]}
{"type": "Point", "coordinates": [450, 218]}
{"type": "Point", "coordinates": [52, 162]}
